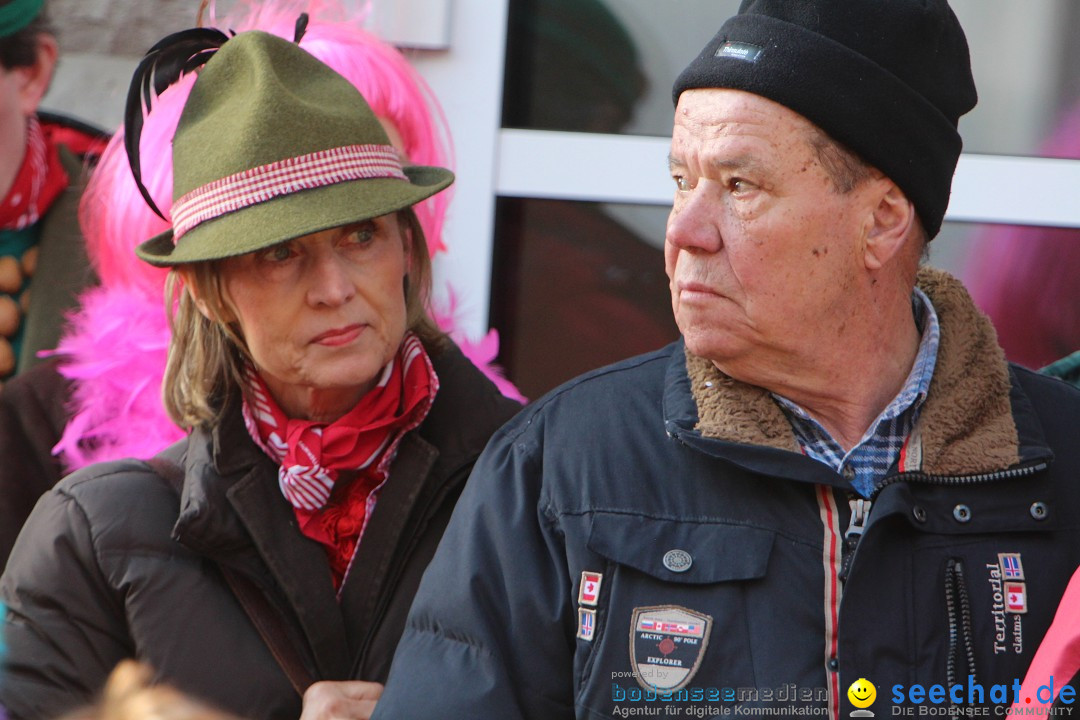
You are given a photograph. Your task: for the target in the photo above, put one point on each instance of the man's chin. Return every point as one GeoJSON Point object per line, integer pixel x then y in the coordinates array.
{"type": "Point", "coordinates": [715, 347]}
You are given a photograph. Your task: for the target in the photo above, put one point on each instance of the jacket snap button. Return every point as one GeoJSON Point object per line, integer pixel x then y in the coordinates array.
{"type": "Point", "coordinates": [1039, 511]}
{"type": "Point", "coordinates": [962, 513]}
{"type": "Point", "coordinates": [919, 512]}
{"type": "Point", "coordinates": [848, 472]}
{"type": "Point", "coordinates": [678, 560]}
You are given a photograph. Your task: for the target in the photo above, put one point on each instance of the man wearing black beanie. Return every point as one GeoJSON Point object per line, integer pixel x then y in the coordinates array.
{"type": "Point", "coordinates": [832, 496]}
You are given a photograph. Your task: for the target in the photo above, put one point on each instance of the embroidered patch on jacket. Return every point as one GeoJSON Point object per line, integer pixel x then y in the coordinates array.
{"type": "Point", "coordinates": [586, 624]}
{"type": "Point", "coordinates": [1011, 567]}
{"type": "Point", "coordinates": [589, 591]}
{"type": "Point", "coordinates": [667, 645]}
{"type": "Point", "coordinates": [1015, 598]}
{"type": "Point", "coordinates": [1008, 606]}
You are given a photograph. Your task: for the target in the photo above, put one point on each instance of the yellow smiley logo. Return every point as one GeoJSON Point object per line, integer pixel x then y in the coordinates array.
{"type": "Point", "coordinates": [861, 693]}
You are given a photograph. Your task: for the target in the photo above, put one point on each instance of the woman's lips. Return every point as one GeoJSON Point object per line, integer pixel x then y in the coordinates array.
{"type": "Point", "coordinates": [338, 336]}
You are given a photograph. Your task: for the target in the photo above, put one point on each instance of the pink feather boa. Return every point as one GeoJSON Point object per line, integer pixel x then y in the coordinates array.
{"type": "Point", "coordinates": [114, 354]}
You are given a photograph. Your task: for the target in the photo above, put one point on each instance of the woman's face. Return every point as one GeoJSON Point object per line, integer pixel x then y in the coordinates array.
{"type": "Point", "coordinates": [322, 314]}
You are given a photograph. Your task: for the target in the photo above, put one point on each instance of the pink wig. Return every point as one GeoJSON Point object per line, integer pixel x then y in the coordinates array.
{"type": "Point", "coordinates": [115, 347]}
{"type": "Point", "coordinates": [1025, 278]}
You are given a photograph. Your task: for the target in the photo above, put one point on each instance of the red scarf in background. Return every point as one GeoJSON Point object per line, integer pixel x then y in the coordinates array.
{"type": "Point", "coordinates": [41, 178]}
{"type": "Point", "coordinates": [361, 445]}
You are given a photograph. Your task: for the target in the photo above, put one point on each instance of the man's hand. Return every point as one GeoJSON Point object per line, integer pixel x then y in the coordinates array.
{"type": "Point", "coordinates": [344, 700]}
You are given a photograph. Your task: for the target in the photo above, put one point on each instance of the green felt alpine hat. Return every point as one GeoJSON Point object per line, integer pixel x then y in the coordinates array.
{"type": "Point", "coordinates": [273, 145]}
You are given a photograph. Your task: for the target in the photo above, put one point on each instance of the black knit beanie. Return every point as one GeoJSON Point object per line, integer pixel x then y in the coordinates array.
{"type": "Point", "coordinates": [887, 78]}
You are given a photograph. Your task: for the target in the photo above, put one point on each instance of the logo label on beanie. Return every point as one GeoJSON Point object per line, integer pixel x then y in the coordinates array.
{"type": "Point", "coordinates": [739, 51]}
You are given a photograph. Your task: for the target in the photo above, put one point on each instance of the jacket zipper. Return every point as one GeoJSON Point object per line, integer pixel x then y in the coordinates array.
{"type": "Point", "coordinates": [918, 476]}
{"type": "Point", "coordinates": [860, 510]}
{"type": "Point", "coordinates": [961, 635]}
{"type": "Point", "coordinates": [435, 501]}
{"type": "Point", "coordinates": [860, 507]}
{"type": "Point", "coordinates": [957, 601]}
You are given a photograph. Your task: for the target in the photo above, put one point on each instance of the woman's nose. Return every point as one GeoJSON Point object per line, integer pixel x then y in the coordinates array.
{"type": "Point", "coordinates": [330, 281]}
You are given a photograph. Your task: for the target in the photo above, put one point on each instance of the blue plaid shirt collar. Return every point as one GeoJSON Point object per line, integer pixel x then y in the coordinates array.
{"type": "Point", "coordinates": [865, 465]}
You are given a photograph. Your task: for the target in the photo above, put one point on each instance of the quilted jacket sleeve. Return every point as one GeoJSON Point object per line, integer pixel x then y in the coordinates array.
{"type": "Point", "coordinates": [32, 418]}
{"type": "Point", "coordinates": [65, 628]}
{"type": "Point", "coordinates": [490, 633]}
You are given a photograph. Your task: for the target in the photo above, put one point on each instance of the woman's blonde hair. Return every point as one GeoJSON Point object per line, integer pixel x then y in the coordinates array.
{"type": "Point", "coordinates": [130, 694]}
{"type": "Point", "coordinates": [207, 355]}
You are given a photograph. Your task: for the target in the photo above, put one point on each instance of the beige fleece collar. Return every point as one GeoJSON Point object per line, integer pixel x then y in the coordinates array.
{"type": "Point", "coordinates": [965, 426]}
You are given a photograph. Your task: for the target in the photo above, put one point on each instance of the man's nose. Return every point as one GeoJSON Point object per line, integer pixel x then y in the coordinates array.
{"type": "Point", "coordinates": [694, 222]}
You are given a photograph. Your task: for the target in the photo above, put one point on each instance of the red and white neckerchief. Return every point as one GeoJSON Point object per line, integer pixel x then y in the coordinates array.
{"type": "Point", "coordinates": [311, 455]}
{"type": "Point", "coordinates": [41, 178]}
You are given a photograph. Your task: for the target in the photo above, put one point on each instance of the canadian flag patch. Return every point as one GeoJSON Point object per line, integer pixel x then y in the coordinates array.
{"type": "Point", "coordinates": [589, 591]}
{"type": "Point", "coordinates": [1015, 598]}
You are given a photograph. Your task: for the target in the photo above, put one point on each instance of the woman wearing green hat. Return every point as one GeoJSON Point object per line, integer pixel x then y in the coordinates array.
{"type": "Point", "coordinates": [332, 426]}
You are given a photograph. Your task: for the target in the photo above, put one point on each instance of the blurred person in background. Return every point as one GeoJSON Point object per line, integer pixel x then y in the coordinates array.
{"type": "Point", "coordinates": [1026, 278]}
{"type": "Point", "coordinates": [572, 275]}
{"type": "Point", "coordinates": [131, 694]}
{"type": "Point", "coordinates": [42, 164]}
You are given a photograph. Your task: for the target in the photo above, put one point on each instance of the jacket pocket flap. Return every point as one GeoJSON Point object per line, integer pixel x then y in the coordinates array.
{"type": "Point", "coordinates": [682, 551]}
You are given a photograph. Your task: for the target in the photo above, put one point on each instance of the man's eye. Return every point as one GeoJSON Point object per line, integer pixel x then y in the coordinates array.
{"type": "Point", "coordinates": [738, 186]}
{"type": "Point", "coordinates": [682, 183]}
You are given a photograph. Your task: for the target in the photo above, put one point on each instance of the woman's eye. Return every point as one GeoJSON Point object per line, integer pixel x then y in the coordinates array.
{"type": "Point", "coordinates": [276, 254]}
{"type": "Point", "coordinates": [280, 253]}
{"type": "Point", "coordinates": [361, 237]}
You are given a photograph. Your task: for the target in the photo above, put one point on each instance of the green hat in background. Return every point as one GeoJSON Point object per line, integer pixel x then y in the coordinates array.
{"type": "Point", "coordinates": [272, 145]}
{"type": "Point", "coordinates": [17, 14]}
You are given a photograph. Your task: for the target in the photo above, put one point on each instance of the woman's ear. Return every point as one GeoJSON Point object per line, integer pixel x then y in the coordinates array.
{"type": "Point", "coordinates": [187, 274]}
{"type": "Point", "coordinates": [890, 224]}
{"type": "Point", "coordinates": [406, 243]}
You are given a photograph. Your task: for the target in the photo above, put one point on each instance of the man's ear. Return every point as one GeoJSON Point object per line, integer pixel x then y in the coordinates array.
{"type": "Point", "coordinates": [890, 224]}
{"type": "Point", "coordinates": [34, 79]}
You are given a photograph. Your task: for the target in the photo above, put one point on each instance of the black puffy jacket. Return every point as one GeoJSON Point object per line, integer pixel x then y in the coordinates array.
{"type": "Point", "coordinates": [113, 564]}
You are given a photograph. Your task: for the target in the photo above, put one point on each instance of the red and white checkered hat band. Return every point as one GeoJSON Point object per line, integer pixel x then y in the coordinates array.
{"type": "Point", "coordinates": [257, 185]}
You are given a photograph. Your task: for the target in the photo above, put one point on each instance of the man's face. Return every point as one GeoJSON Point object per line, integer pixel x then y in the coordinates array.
{"type": "Point", "coordinates": [12, 126]}
{"type": "Point", "coordinates": [21, 90]}
{"type": "Point", "coordinates": [761, 248]}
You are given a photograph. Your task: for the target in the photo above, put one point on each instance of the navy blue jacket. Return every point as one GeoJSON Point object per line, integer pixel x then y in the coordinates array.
{"type": "Point", "coordinates": [732, 570]}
